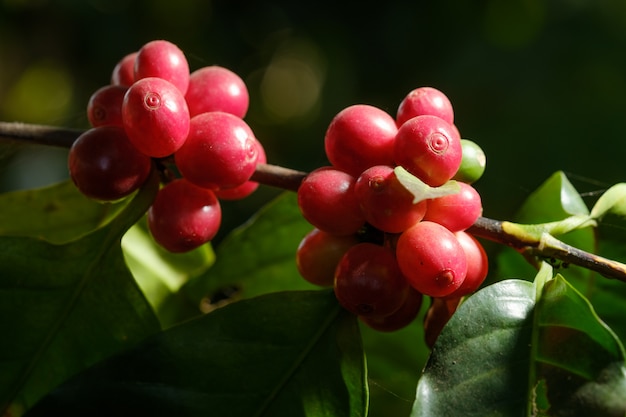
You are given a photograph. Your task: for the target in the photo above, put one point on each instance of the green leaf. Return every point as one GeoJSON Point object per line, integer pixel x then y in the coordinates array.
{"type": "Point", "coordinates": [611, 201]}
{"type": "Point", "coordinates": [422, 191]}
{"type": "Point", "coordinates": [393, 360]}
{"type": "Point", "coordinates": [259, 257]}
{"type": "Point", "coordinates": [282, 354]}
{"type": "Point", "coordinates": [160, 273]}
{"type": "Point", "coordinates": [66, 307]}
{"type": "Point", "coordinates": [507, 353]}
{"type": "Point", "coordinates": [58, 213]}
{"type": "Point", "coordinates": [553, 201]}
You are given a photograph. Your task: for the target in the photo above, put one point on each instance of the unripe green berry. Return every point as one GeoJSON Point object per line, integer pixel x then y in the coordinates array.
{"type": "Point", "coordinates": [473, 162]}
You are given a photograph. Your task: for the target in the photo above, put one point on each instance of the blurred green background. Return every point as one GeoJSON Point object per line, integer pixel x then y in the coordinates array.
{"type": "Point", "coordinates": [540, 85]}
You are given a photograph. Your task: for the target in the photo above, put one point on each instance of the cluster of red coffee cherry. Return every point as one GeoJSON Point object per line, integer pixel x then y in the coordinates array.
{"type": "Point", "coordinates": [155, 111]}
{"type": "Point", "coordinates": [379, 244]}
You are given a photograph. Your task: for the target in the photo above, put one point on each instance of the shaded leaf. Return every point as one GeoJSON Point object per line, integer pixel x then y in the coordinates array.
{"type": "Point", "coordinates": [393, 364]}
{"type": "Point", "coordinates": [65, 307]}
{"type": "Point", "coordinates": [58, 213]}
{"type": "Point", "coordinates": [258, 257]}
{"type": "Point", "coordinates": [506, 353]}
{"type": "Point", "coordinates": [282, 354]}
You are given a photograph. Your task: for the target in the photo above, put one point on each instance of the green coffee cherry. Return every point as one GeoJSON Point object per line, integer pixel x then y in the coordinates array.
{"type": "Point", "coordinates": [472, 164]}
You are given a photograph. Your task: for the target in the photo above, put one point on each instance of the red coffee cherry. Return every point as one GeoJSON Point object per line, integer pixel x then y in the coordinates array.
{"type": "Point", "coordinates": [216, 88]}
{"type": "Point", "coordinates": [431, 258]}
{"type": "Point", "coordinates": [368, 281]}
{"type": "Point", "coordinates": [387, 204]}
{"type": "Point", "coordinates": [429, 148]}
{"type": "Point", "coordinates": [184, 216]}
{"type": "Point", "coordinates": [400, 318]}
{"type": "Point", "coordinates": [164, 60]}
{"type": "Point", "coordinates": [456, 211]}
{"type": "Point", "coordinates": [105, 106]}
{"type": "Point", "coordinates": [327, 200]}
{"type": "Point", "coordinates": [319, 254]}
{"type": "Point", "coordinates": [477, 265]}
{"type": "Point", "coordinates": [220, 151]}
{"type": "Point", "coordinates": [425, 101]}
{"type": "Point", "coordinates": [105, 166]}
{"type": "Point", "coordinates": [155, 117]}
{"type": "Point", "coordinates": [359, 137]}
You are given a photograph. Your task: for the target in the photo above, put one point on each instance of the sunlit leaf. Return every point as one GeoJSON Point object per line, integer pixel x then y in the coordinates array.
{"type": "Point", "coordinates": [282, 354]}
{"type": "Point", "coordinates": [611, 201]}
{"type": "Point", "coordinates": [65, 307]}
{"type": "Point", "coordinates": [422, 191]}
{"type": "Point", "coordinates": [57, 213]}
{"type": "Point", "coordinates": [554, 200]}
{"type": "Point", "coordinates": [160, 273]}
{"type": "Point", "coordinates": [507, 352]}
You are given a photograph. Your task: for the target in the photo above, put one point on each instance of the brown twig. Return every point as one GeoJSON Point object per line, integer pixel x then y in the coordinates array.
{"type": "Point", "coordinates": [289, 179]}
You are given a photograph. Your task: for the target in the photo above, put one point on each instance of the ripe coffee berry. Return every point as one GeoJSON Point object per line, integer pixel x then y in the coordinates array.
{"type": "Point", "coordinates": [399, 319]}
{"type": "Point", "coordinates": [184, 216]}
{"type": "Point", "coordinates": [477, 265]}
{"type": "Point", "coordinates": [431, 258]}
{"type": "Point", "coordinates": [429, 148]}
{"type": "Point", "coordinates": [220, 151]}
{"type": "Point", "coordinates": [425, 101]}
{"type": "Point", "coordinates": [164, 60]}
{"type": "Point", "coordinates": [456, 211]}
{"type": "Point", "coordinates": [248, 187]}
{"type": "Point", "coordinates": [359, 137]}
{"type": "Point", "coordinates": [319, 254]}
{"type": "Point", "coordinates": [387, 204]}
{"type": "Point", "coordinates": [155, 116]}
{"type": "Point", "coordinates": [105, 106]}
{"type": "Point", "coordinates": [327, 200]}
{"type": "Point", "coordinates": [124, 72]}
{"type": "Point", "coordinates": [368, 281]}
{"type": "Point", "coordinates": [105, 166]}
{"type": "Point", "coordinates": [216, 88]}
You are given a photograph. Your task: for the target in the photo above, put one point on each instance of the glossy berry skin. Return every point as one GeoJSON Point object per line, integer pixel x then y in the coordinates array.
{"type": "Point", "coordinates": [477, 265]}
{"type": "Point", "coordinates": [164, 60]}
{"type": "Point", "coordinates": [399, 319]}
{"type": "Point", "coordinates": [358, 137]}
{"type": "Point", "coordinates": [155, 116]}
{"type": "Point", "coordinates": [105, 166]}
{"type": "Point", "coordinates": [425, 101]}
{"type": "Point", "coordinates": [429, 148]}
{"type": "Point", "coordinates": [368, 281]}
{"type": "Point", "coordinates": [327, 200]}
{"type": "Point", "coordinates": [124, 71]}
{"type": "Point", "coordinates": [105, 106]}
{"type": "Point", "coordinates": [220, 151]}
{"type": "Point", "coordinates": [456, 211]}
{"type": "Point", "coordinates": [431, 258]}
{"type": "Point", "coordinates": [473, 162]}
{"type": "Point", "coordinates": [217, 88]}
{"type": "Point", "coordinates": [319, 254]}
{"type": "Point", "coordinates": [244, 190]}
{"type": "Point", "coordinates": [387, 204]}
{"type": "Point", "coordinates": [184, 216]}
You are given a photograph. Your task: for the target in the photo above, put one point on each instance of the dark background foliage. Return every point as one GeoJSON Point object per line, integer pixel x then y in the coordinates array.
{"type": "Point", "coordinates": [539, 84]}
